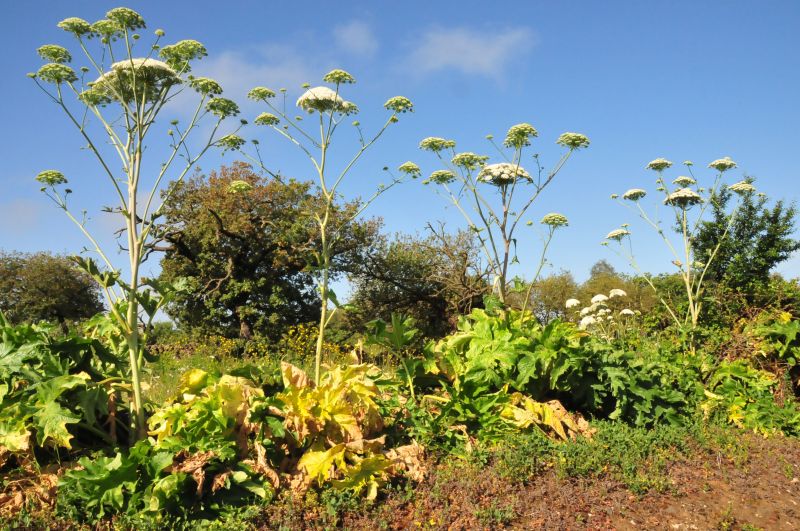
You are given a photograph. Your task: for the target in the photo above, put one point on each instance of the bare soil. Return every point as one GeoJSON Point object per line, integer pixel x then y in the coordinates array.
{"type": "Point", "coordinates": [757, 488]}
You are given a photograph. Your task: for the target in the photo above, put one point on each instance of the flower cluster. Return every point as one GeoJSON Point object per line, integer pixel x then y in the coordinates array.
{"type": "Point", "coordinates": [179, 55]}
{"type": "Point", "coordinates": [205, 86]}
{"type": "Point", "coordinates": [409, 168]}
{"type": "Point", "coordinates": [56, 73]}
{"type": "Point", "coordinates": [573, 140]}
{"type": "Point", "coordinates": [54, 53]}
{"type": "Point", "coordinates": [440, 177]}
{"type": "Point", "coordinates": [502, 173]}
{"type": "Point", "coordinates": [722, 165]}
{"type": "Point", "coordinates": [683, 198]}
{"type": "Point", "coordinates": [135, 79]}
{"type": "Point", "coordinates": [634, 194]}
{"type": "Point", "coordinates": [684, 181]}
{"type": "Point", "coordinates": [231, 142]}
{"type": "Point", "coordinates": [239, 187]}
{"type": "Point", "coordinates": [76, 26]}
{"type": "Point", "coordinates": [742, 187]}
{"type": "Point", "coordinates": [126, 18]}
{"type": "Point", "coordinates": [106, 29]}
{"type": "Point", "coordinates": [554, 219]}
{"type": "Point", "coordinates": [322, 100]}
{"type": "Point", "coordinates": [617, 234]}
{"type": "Point", "coordinates": [469, 160]}
{"type": "Point", "coordinates": [598, 314]}
{"type": "Point", "coordinates": [436, 144]}
{"type": "Point", "coordinates": [399, 104]}
{"type": "Point", "coordinates": [261, 93]}
{"type": "Point", "coordinates": [658, 164]}
{"type": "Point", "coordinates": [518, 136]}
{"type": "Point", "coordinates": [222, 107]}
{"type": "Point", "coordinates": [51, 178]}
{"type": "Point", "coordinates": [266, 118]}
{"type": "Point", "coordinates": [338, 76]}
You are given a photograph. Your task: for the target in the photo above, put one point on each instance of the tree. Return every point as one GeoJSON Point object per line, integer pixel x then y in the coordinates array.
{"type": "Point", "coordinates": [759, 239]}
{"type": "Point", "coordinates": [41, 286]}
{"type": "Point", "coordinates": [244, 244]}
{"type": "Point", "coordinates": [432, 279]}
{"type": "Point", "coordinates": [548, 295]}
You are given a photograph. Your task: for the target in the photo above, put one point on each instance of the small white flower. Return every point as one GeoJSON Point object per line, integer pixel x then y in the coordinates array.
{"type": "Point", "coordinates": [627, 311]}
{"type": "Point", "coordinates": [586, 311]}
{"type": "Point", "coordinates": [616, 292]}
{"type": "Point", "coordinates": [586, 322]}
{"type": "Point", "coordinates": [599, 298]}
{"type": "Point", "coordinates": [572, 303]}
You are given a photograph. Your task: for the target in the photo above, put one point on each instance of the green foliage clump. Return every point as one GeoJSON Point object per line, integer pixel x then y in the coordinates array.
{"type": "Point", "coordinates": [244, 255]}
{"type": "Point", "coordinates": [42, 287]}
{"type": "Point", "coordinates": [56, 393]}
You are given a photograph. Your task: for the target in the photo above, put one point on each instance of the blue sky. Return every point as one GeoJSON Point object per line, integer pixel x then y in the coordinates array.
{"type": "Point", "coordinates": [681, 79]}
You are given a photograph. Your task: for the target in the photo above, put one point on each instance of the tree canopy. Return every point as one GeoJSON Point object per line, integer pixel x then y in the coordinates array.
{"type": "Point", "coordinates": [760, 238]}
{"type": "Point", "coordinates": [42, 286]}
{"type": "Point", "coordinates": [247, 247]}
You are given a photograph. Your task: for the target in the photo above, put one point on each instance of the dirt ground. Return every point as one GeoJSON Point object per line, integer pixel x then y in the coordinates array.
{"type": "Point", "coordinates": [759, 491]}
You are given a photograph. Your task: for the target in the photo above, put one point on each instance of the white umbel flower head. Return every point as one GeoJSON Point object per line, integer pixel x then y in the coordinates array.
{"type": "Point", "coordinates": [502, 173]}
{"type": "Point", "coordinates": [617, 234]}
{"type": "Point", "coordinates": [683, 198]}
{"type": "Point", "coordinates": [742, 187]}
{"type": "Point", "coordinates": [684, 181]}
{"type": "Point", "coordinates": [586, 322]}
{"type": "Point", "coordinates": [634, 194]}
{"type": "Point", "coordinates": [599, 298]}
{"type": "Point", "coordinates": [555, 219]}
{"type": "Point", "coordinates": [586, 311]}
{"type": "Point", "coordinates": [722, 165]}
{"type": "Point", "coordinates": [627, 311]}
{"type": "Point", "coordinates": [321, 99]}
{"type": "Point", "coordinates": [134, 78]}
{"type": "Point", "coordinates": [658, 164]}
{"type": "Point", "coordinates": [572, 303]}
{"type": "Point", "coordinates": [616, 292]}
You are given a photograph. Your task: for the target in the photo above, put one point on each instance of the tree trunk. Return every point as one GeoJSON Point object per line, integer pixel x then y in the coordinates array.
{"type": "Point", "coordinates": [245, 331]}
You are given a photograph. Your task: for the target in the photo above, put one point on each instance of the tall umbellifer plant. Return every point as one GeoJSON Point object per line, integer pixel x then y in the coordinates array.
{"type": "Point", "coordinates": [328, 110]}
{"type": "Point", "coordinates": [686, 202]}
{"type": "Point", "coordinates": [117, 102]}
{"type": "Point", "coordinates": [494, 220]}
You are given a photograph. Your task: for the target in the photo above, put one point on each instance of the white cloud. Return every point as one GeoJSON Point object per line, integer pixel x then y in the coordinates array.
{"type": "Point", "coordinates": [357, 38]}
{"type": "Point", "coordinates": [470, 51]}
{"type": "Point", "coordinates": [270, 66]}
